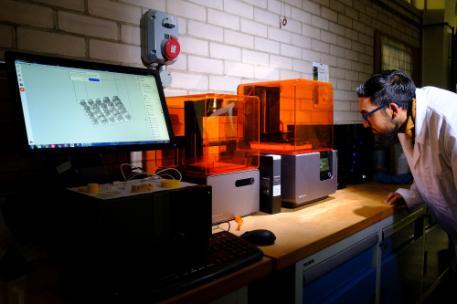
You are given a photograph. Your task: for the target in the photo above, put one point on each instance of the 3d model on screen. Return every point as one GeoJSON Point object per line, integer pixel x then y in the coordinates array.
{"type": "Point", "coordinates": [105, 110]}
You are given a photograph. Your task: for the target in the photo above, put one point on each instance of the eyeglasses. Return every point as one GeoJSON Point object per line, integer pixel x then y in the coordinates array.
{"type": "Point", "coordinates": [368, 114]}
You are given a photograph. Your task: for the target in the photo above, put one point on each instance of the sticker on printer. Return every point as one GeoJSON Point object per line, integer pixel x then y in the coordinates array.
{"type": "Point", "coordinates": [276, 190]}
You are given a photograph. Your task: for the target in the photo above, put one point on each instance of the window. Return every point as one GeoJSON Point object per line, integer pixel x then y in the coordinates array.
{"type": "Point", "coordinates": [395, 56]}
{"type": "Point", "coordinates": [392, 54]}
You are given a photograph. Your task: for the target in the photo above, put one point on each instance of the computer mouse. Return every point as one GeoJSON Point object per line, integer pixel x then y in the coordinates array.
{"type": "Point", "coordinates": [260, 237]}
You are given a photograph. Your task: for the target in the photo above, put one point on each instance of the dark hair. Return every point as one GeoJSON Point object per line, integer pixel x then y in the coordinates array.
{"type": "Point", "coordinates": [388, 86]}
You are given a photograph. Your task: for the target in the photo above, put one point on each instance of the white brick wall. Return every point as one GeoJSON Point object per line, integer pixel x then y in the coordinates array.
{"type": "Point", "coordinates": [301, 41]}
{"type": "Point", "coordinates": [296, 3]}
{"type": "Point", "coordinates": [255, 57]}
{"type": "Point", "coordinates": [26, 14]}
{"type": "Point", "coordinates": [239, 8]}
{"type": "Point", "coordinates": [310, 55]}
{"type": "Point", "coordinates": [320, 46]}
{"type": "Point", "coordinates": [302, 66]}
{"type": "Point", "coordinates": [180, 64]}
{"type": "Point", "coordinates": [217, 50]}
{"type": "Point", "coordinates": [238, 39]}
{"type": "Point", "coordinates": [223, 42]}
{"type": "Point", "coordinates": [201, 65]}
{"type": "Point", "coordinates": [301, 15]}
{"type": "Point", "coordinates": [310, 31]}
{"type": "Point", "coordinates": [80, 24]}
{"type": "Point", "coordinates": [290, 51]}
{"type": "Point", "coordinates": [319, 22]}
{"type": "Point", "coordinates": [149, 4]}
{"type": "Point", "coordinates": [311, 7]}
{"type": "Point", "coordinates": [39, 41]}
{"type": "Point", "coordinates": [233, 68]}
{"type": "Point", "coordinates": [254, 28]}
{"type": "Point", "coordinates": [205, 31]}
{"type": "Point", "coordinates": [223, 19]}
{"type": "Point", "coordinates": [266, 45]}
{"type": "Point", "coordinates": [69, 4]}
{"type": "Point", "coordinates": [329, 14]}
{"type": "Point", "coordinates": [117, 52]}
{"type": "Point", "coordinates": [130, 34]}
{"type": "Point", "coordinates": [259, 3]}
{"type": "Point", "coordinates": [274, 6]}
{"type": "Point", "coordinates": [279, 35]}
{"type": "Point", "coordinates": [223, 83]}
{"type": "Point", "coordinates": [293, 26]}
{"type": "Point", "coordinates": [289, 74]}
{"type": "Point", "coordinates": [190, 81]}
{"type": "Point", "coordinates": [217, 4]}
{"type": "Point", "coordinates": [186, 9]}
{"type": "Point", "coordinates": [115, 11]}
{"type": "Point", "coordinates": [281, 62]}
{"type": "Point", "coordinates": [194, 46]}
{"type": "Point", "coordinates": [266, 17]}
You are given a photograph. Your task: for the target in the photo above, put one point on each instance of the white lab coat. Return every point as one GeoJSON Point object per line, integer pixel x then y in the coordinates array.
{"type": "Point", "coordinates": [433, 159]}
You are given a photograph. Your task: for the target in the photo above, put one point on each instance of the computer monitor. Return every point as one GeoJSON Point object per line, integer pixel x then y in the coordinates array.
{"type": "Point", "coordinates": [79, 105]}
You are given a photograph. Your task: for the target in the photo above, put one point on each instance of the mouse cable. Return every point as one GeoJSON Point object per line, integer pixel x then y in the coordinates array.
{"type": "Point", "coordinates": [218, 226]}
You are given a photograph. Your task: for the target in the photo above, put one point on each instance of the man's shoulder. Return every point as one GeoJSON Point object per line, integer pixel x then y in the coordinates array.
{"type": "Point", "coordinates": [437, 105]}
{"type": "Point", "coordinates": [434, 97]}
{"type": "Point", "coordinates": [433, 90]}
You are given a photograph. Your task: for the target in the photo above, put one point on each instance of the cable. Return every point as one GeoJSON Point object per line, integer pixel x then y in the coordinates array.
{"type": "Point", "coordinates": [159, 172]}
{"type": "Point", "coordinates": [131, 169]}
{"type": "Point", "coordinates": [157, 175]}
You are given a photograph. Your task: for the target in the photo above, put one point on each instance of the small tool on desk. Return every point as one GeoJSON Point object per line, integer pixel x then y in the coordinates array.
{"type": "Point", "coordinates": [239, 222]}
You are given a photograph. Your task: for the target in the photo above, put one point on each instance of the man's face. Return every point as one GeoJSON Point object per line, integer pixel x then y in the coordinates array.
{"type": "Point", "coordinates": [379, 121]}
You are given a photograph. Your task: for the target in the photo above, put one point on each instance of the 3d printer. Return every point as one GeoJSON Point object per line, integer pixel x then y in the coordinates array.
{"type": "Point", "coordinates": [296, 121]}
{"type": "Point", "coordinates": [218, 132]}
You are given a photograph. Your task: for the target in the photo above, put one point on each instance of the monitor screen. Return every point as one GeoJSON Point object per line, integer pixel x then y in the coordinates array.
{"type": "Point", "coordinates": [67, 104]}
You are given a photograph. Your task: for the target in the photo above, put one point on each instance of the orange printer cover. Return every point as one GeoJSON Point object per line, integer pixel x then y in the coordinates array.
{"type": "Point", "coordinates": [296, 115]}
{"type": "Point", "coordinates": [218, 131]}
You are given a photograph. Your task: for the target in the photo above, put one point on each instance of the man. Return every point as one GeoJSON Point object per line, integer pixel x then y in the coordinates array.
{"type": "Point", "coordinates": [426, 123]}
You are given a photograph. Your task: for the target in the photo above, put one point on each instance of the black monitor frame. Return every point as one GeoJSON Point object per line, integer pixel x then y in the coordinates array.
{"type": "Point", "coordinates": [11, 57]}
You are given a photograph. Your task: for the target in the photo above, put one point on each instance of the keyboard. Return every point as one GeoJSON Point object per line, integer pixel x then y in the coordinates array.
{"type": "Point", "coordinates": [227, 253]}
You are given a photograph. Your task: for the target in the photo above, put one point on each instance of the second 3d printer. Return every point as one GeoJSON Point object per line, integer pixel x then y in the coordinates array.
{"type": "Point", "coordinates": [296, 122]}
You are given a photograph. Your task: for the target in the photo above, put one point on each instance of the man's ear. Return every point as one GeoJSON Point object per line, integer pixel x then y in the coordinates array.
{"type": "Point", "coordinates": [395, 108]}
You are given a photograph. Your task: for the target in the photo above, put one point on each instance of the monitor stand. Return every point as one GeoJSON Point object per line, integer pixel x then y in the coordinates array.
{"type": "Point", "coordinates": [80, 169]}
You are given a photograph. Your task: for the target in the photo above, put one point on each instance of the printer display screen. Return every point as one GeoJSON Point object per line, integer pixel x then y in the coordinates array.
{"type": "Point", "coordinates": [324, 166]}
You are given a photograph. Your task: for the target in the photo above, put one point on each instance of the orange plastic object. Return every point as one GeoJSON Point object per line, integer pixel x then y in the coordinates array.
{"type": "Point", "coordinates": [239, 222]}
{"type": "Point", "coordinates": [93, 187]}
{"type": "Point", "coordinates": [217, 131]}
{"type": "Point", "coordinates": [170, 183]}
{"type": "Point", "coordinates": [296, 115]}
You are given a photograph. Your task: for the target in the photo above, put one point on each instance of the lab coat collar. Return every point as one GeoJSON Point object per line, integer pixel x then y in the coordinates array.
{"type": "Point", "coordinates": [421, 108]}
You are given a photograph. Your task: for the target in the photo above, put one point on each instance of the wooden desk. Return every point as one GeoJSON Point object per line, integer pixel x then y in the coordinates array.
{"type": "Point", "coordinates": [308, 229]}
{"type": "Point", "coordinates": [301, 232]}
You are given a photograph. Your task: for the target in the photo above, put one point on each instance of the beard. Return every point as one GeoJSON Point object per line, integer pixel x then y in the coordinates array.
{"type": "Point", "coordinates": [385, 140]}
{"type": "Point", "coordinates": [388, 136]}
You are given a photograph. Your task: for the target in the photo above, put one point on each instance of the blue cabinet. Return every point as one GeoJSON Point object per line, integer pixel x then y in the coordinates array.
{"type": "Point", "coordinates": [402, 261]}
{"type": "Point", "coordinates": [437, 256]}
{"type": "Point", "coordinates": [397, 260]}
{"type": "Point", "coordinates": [346, 277]}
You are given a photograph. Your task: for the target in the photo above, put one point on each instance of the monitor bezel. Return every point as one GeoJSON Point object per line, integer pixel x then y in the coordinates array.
{"type": "Point", "coordinates": [12, 56]}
